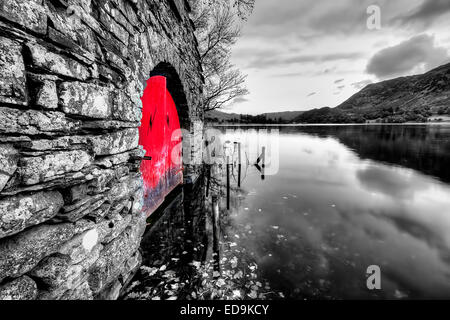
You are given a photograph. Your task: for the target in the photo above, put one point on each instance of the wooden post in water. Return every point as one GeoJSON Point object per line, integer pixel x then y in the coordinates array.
{"type": "Point", "coordinates": [216, 232]}
{"type": "Point", "coordinates": [228, 182]}
{"type": "Point", "coordinates": [262, 159]}
{"type": "Point", "coordinates": [208, 180]}
{"type": "Point", "coordinates": [263, 166]}
{"type": "Point", "coordinates": [239, 164]}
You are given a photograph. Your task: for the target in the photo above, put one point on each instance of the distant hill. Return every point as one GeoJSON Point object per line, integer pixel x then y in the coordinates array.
{"type": "Point", "coordinates": [413, 98]}
{"type": "Point", "coordinates": [285, 115]}
{"type": "Point", "coordinates": [272, 117]}
{"type": "Point", "coordinates": [218, 116]}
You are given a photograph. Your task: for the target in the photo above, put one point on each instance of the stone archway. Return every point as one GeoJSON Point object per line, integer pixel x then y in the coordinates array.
{"type": "Point", "coordinates": [164, 113]}
{"type": "Point", "coordinates": [175, 88]}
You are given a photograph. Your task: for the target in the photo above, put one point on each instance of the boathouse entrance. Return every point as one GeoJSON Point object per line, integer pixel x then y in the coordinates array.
{"type": "Point", "coordinates": [160, 135]}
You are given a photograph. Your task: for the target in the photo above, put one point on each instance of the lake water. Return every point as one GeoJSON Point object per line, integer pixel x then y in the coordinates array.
{"type": "Point", "coordinates": [333, 201]}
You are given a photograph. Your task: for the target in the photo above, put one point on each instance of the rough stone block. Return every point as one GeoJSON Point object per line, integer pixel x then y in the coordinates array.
{"type": "Point", "coordinates": [56, 63]}
{"type": "Point", "coordinates": [22, 252]}
{"type": "Point", "coordinates": [8, 163]}
{"type": "Point", "coordinates": [71, 31]}
{"type": "Point", "coordinates": [85, 99]}
{"type": "Point", "coordinates": [124, 109]}
{"type": "Point", "coordinates": [54, 270]}
{"type": "Point", "coordinates": [28, 13]}
{"type": "Point", "coordinates": [113, 27]}
{"type": "Point", "coordinates": [112, 292]}
{"type": "Point", "coordinates": [62, 143]}
{"type": "Point", "coordinates": [102, 179]}
{"type": "Point", "coordinates": [114, 160]}
{"type": "Point", "coordinates": [138, 202]}
{"type": "Point", "coordinates": [100, 213]}
{"type": "Point", "coordinates": [116, 142]}
{"type": "Point", "coordinates": [109, 125]}
{"type": "Point", "coordinates": [129, 13]}
{"type": "Point", "coordinates": [35, 122]}
{"type": "Point", "coordinates": [82, 208]}
{"type": "Point", "coordinates": [75, 193]}
{"type": "Point", "coordinates": [23, 211]}
{"type": "Point", "coordinates": [12, 69]}
{"type": "Point", "coordinates": [60, 274]}
{"type": "Point", "coordinates": [47, 96]}
{"type": "Point", "coordinates": [110, 229]}
{"type": "Point", "coordinates": [81, 246]}
{"type": "Point", "coordinates": [126, 188]}
{"type": "Point", "coordinates": [112, 259]}
{"type": "Point", "coordinates": [116, 46]}
{"type": "Point", "coordinates": [23, 288]}
{"type": "Point", "coordinates": [47, 167]}
{"type": "Point", "coordinates": [82, 292]}
{"type": "Point", "coordinates": [118, 63]}
{"type": "Point", "coordinates": [44, 93]}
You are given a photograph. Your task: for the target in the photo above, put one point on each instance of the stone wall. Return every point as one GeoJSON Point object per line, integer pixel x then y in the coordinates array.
{"type": "Point", "coordinates": [72, 74]}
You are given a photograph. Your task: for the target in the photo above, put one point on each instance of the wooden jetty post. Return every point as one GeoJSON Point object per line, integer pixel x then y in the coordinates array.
{"type": "Point", "coordinates": [216, 232]}
{"type": "Point", "coordinates": [262, 159]}
{"type": "Point", "coordinates": [239, 164]}
{"type": "Point", "coordinates": [208, 179]}
{"type": "Point", "coordinates": [228, 182]}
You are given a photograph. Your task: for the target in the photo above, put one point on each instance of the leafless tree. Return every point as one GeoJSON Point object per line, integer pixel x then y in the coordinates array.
{"type": "Point", "coordinates": [244, 8]}
{"type": "Point", "coordinates": [218, 24]}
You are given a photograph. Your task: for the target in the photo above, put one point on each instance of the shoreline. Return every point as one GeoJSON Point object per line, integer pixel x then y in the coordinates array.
{"type": "Point", "coordinates": [323, 124]}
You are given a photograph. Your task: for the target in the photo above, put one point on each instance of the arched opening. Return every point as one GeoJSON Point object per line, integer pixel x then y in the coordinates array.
{"type": "Point", "coordinates": [164, 114]}
{"type": "Point", "coordinates": [175, 88]}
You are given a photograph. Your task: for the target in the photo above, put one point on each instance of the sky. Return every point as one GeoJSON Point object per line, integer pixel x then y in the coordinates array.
{"type": "Point", "coordinates": [305, 54]}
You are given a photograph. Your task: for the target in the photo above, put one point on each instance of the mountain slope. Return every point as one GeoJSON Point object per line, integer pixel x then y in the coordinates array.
{"type": "Point", "coordinates": [412, 98]}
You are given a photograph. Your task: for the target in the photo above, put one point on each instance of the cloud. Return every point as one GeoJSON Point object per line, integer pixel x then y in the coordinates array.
{"type": "Point", "coordinates": [416, 55]}
{"type": "Point", "coordinates": [252, 51]}
{"type": "Point", "coordinates": [427, 13]}
{"type": "Point", "coordinates": [309, 19]}
{"type": "Point", "coordinates": [328, 70]}
{"type": "Point", "coordinates": [239, 100]}
{"type": "Point", "coordinates": [264, 62]}
{"type": "Point", "coordinates": [390, 181]}
{"type": "Point", "coordinates": [312, 43]}
{"type": "Point", "coordinates": [289, 74]}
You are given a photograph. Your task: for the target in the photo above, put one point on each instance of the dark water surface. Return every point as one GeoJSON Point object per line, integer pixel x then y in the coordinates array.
{"type": "Point", "coordinates": [334, 200]}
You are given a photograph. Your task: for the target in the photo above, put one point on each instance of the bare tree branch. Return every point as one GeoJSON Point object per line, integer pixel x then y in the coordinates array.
{"type": "Point", "coordinates": [218, 25]}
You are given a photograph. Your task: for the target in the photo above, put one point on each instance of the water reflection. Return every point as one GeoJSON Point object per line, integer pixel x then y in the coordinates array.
{"type": "Point", "coordinates": [190, 254]}
{"type": "Point", "coordinates": [343, 198]}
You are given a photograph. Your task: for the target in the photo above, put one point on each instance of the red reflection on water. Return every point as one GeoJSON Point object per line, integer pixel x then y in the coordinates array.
{"type": "Point", "coordinates": [160, 136]}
